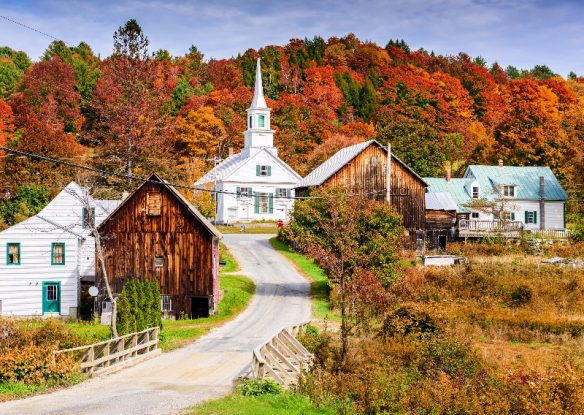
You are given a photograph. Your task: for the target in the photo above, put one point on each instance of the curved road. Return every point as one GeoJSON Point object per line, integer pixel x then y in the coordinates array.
{"type": "Point", "coordinates": [200, 371]}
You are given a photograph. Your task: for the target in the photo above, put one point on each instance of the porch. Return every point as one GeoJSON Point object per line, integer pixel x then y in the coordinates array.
{"type": "Point", "coordinates": [507, 229]}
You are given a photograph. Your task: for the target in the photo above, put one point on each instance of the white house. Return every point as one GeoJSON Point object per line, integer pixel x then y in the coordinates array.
{"type": "Point", "coordinates": [531, 198]}
{"type": "Point", "coordinates": [254, 184]}
{"type": "Point", "coordinates": [48, 255]}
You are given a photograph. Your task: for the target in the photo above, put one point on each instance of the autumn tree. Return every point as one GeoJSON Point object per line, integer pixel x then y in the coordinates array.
{"type": "Point", "coordinates": [356, 241]}
{"type": "Point", "coordinates": [200, 134]}
{"type": "Point", "coordinates": [13, 64]}
{"type": "Point", "coordinates": [128, 121]}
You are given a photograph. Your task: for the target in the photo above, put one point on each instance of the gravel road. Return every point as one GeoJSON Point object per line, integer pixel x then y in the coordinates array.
{"type": "Point", "coordinates": [203, 370]}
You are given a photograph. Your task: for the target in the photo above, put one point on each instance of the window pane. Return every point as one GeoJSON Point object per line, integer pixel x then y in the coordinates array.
{"type": "Point", "coordinates": [263, 203]}
{"type": "Point", "coordinates": [51, 292]}
{"type": "Point", "coordinates": [261, 121]}
{"type": "Point", "coordinates": [13, 253]}
{"type": "Point", "coordinates": [58, 253]}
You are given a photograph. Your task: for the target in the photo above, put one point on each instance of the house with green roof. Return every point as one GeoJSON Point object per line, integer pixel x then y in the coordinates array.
{"type": "Point", "coordinates": [510, 198]}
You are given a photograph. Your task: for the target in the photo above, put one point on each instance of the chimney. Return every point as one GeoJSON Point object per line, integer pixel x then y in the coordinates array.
{"type": "Point", "coordinates": [448, 175]}
{"type": "Point", "coordinates": [542, 202]}
{"type": "Point", "coordinates": [500, 162]}
{"type": "Point", "coordinates": [230, 151]}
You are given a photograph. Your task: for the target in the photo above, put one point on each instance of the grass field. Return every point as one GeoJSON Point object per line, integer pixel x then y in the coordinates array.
{"type": "Point", "coordinates": [16, 390]}
{"type": "Point", "coordinates": [282, 404]}
{"type": "Point", "coordinates": [319, 287]}
{"type": "Point", "coordinates": [253, 228]}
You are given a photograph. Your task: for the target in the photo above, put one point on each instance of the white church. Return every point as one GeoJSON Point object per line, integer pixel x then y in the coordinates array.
{"type": "Point", "coordinates": [254, 184]}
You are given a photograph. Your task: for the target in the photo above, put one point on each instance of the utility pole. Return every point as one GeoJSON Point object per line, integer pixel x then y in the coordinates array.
{"type": "Point", "coordinates": [216, 160]}
{"type": "Point", "coordinates": [388, 176]}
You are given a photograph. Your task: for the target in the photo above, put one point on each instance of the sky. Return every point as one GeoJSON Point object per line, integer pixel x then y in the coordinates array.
{"type": "Point", "coordinates": [511, 32]}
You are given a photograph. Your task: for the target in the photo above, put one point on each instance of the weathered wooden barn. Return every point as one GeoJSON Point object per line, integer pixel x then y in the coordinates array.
{"type": "Point", "coordinates": [440, 219]}
{"type": "Point", "coordinates": [362, 169]}
{"type": "Point", "coordinates": [156, 234]}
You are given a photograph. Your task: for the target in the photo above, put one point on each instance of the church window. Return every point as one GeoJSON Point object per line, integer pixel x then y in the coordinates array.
{"type": "Point", "coordinates": [250, 126]}
{"type": "Point", "coordinates": [261, 121]}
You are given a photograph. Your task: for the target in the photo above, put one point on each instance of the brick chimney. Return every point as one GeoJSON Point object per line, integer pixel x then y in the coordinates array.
{"type": "Point", "coordinates": [500, 162]}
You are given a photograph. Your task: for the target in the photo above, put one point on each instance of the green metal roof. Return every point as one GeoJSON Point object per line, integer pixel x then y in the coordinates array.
{"type": "Point", "coordinates": [456, 187]}
{"type": "Point", "coordinates": [525, 178]}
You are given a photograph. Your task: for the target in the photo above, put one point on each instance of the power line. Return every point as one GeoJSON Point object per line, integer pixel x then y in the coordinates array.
{"type": "Point", "coordinates": [131, 177]}
{"type": "Point", "coordinates": [34, 29]}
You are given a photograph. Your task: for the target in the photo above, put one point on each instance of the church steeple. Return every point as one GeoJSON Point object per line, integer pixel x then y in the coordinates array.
{"type": "Point", "coordinates": [258, 134]}
{"type": "Point", "coordinates": [258, 101]}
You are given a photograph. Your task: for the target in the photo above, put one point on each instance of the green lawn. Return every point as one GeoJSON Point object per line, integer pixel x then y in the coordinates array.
{"type": "Point", "coordinates": [225, 256]}
{"type": "Point", "coordinates": [282, 404]}
{"type": "Point", "coordinates": [319, 287]}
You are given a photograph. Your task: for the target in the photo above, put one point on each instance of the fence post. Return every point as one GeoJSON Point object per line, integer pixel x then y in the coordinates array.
{"type": "Point", "coordinates": [134, 345]}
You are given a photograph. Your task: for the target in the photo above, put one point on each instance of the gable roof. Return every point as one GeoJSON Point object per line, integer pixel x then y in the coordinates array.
{"type": "Point", "coordinates": [341, 158]}
{"type": "Point", "coordinates": [526, 178]}
{"type": "Point", "coordinates": [190, 208]}
{"type": "Point", "coordinates": [440, 201]}
{"type": "Point", "coordinates": [456, 187]}
{"type": "Point", "coordinates": [231, 164]}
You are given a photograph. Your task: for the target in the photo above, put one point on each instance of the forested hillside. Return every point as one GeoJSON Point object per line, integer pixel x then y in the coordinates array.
{"type": "Point", "coordinates": [137, 111]}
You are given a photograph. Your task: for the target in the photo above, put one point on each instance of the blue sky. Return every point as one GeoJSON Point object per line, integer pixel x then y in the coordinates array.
{"type": "Point", "coordinates": [511, 32]}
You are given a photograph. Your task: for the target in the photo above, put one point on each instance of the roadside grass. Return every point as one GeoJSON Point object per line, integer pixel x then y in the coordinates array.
{"type": "Point", "coordinates": [253, 228]}
{"type": "Point", "coordinates": [231, 264]}
{"type": "Point", "coordinates": [281, 404]}
{"type": "Point", "coordinates": [319, 288]}
{"type": "Point", "coordinates": [237, 292]}
{"type": "Point", "coordinates": [16, 390]}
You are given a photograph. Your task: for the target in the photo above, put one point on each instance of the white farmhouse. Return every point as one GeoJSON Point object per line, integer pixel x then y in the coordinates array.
{"type": "Point", "coordinates": [530, 198]}
{"type": "Point", "coordinates": [254, 184]}
{"type": "Point", "coordinates": [48, 256]}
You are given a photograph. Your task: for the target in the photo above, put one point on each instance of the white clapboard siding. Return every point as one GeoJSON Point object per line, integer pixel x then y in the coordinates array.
{"type": "Point", "coordinates": [554, 215]}
{"type": "Point", "coordinates": [60, 221]}
{"type": "Point", "coordinates": [231, 209]}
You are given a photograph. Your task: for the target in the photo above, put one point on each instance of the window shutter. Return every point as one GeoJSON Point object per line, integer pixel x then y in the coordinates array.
{"type": "Point", "coordinates": [238, 192]}
{"type": "Point", "coordinates": [256, 203]}
{"type": "Point", "coordinates": [525, 217]}
{"type": "Point", "coordinates": [277, 193]}
{"type": "Point", "coordinates": [271, 203]}
{"type": "Point", "coordinates": [535, 217]}
{"type": "Point", "coordinates": [512, 215]}
{"type": "Point", "coordinates": [269, 170]}
{"type": "Point", "coordinates": [249, 192]}
{"type": "Point", "coordinates": [257, 169]}
{"type": "Point", "coordinates": [289, 192]}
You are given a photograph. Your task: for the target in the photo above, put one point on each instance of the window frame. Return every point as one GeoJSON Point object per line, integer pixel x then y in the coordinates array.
{"type": "Point", "coordinates": [477, 192]}
{"type": "Point", "coordinates": [245, 194]}
{"type": "Point", "coordinates": [8, 244]}
{"type": "Point", "coordinates": [84, 214]}
{"type": "Point", "coordinates": [261, 121]}
{"type": "Point", "coordinates": [282, 192]}
{"type": "Point", "coordinates": [531, 217]}
{"type": "Point", "coordinates": [508, 191]}
{"type": "Point", "coordinates": [166, 303]}
{"type": "Point", "coordinates": [472, 215]}
{"type": "Point", "coordinates": [53, 245]}
{"type": "Point", "coordinates": [264, 168]}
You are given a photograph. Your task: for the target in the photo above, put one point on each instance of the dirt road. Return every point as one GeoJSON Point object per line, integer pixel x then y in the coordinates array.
{"type": "Point", "coordinates": [203, 370]}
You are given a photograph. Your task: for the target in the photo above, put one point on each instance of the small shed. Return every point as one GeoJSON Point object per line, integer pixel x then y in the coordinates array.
{"type": "Point", "coordinates": [156, 234]}
{"type": "Point", "coordinates": [362, 169]}
{"type": "Point", "coordinates": [440, 219]}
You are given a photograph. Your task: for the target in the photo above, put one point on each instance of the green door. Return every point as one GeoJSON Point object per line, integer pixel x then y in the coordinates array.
{"type": "Point", "coordinates": [51, 297]}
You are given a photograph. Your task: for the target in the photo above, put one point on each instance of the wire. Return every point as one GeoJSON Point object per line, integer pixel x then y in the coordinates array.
{"type": "Point", "coordinates": [34, 30]}
{"type": "Point", "coordinates": [130, 177]}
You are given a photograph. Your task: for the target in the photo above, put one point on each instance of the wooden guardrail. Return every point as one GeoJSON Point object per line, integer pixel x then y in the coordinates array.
{"type": "Point", "coordinates": [282, 358]}
{"type": "Point", "coordinates": [97, 357]}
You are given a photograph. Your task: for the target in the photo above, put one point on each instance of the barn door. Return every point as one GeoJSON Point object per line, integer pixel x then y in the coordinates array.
{"type": "Point", "coordinates": [51, 297]}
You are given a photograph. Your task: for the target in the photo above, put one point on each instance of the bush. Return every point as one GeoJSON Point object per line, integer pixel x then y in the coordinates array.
{"type": "Point", "coordinates": [253, 387]}
{"type": "Point", "coordinates": [138, 306]}
{"type": "Point", "coordinates": [406, 321]}
{"type": "Point", "coordinates": [521, 296]}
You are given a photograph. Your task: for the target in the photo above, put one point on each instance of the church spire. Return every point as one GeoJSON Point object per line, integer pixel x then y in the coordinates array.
{"type": "Point", "coordinates": [258, 93]}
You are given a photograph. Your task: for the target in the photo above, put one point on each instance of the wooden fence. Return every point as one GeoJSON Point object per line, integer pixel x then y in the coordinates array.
{"type": "Point", "coordinates": [282, 358]}
{"type": "Point", "coordinates": [98, 357]}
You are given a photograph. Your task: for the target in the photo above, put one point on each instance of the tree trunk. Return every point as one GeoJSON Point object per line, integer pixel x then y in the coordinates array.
{"type": "Point", "coordinates": [344, 334]}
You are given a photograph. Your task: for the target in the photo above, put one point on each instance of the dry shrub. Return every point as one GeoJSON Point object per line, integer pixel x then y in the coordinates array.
{"type": "Point", "coordinates": [494, 247]}
{"type": "Point", "coordinates": [570, 250]}
{"type": "Point", "coordinates": [26, 353]}
{"type": "Point", "coordinates": [34, 364]}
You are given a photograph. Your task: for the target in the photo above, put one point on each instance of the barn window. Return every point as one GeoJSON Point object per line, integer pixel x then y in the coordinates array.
{"type": "Point", "coordinates": [13, 253]}
{"type": "Point", "coordinates": [153, 203]}
{"type": "Point", "coordinates": [158, 261]}
{"type": "Point", "coordinates": [165, 303]}
{"type": "Point", "coordinates": [57, 253]}
{"type": "Point", "coordinates": [373, 161]}
{"type": "Point", "coordinates": [88, 219]}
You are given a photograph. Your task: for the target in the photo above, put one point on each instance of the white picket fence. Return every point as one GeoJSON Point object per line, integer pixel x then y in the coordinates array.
{"type": "Point", "coordinates": [282, 358]}
{"type": "Point", "coordinates": [98, 357]}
